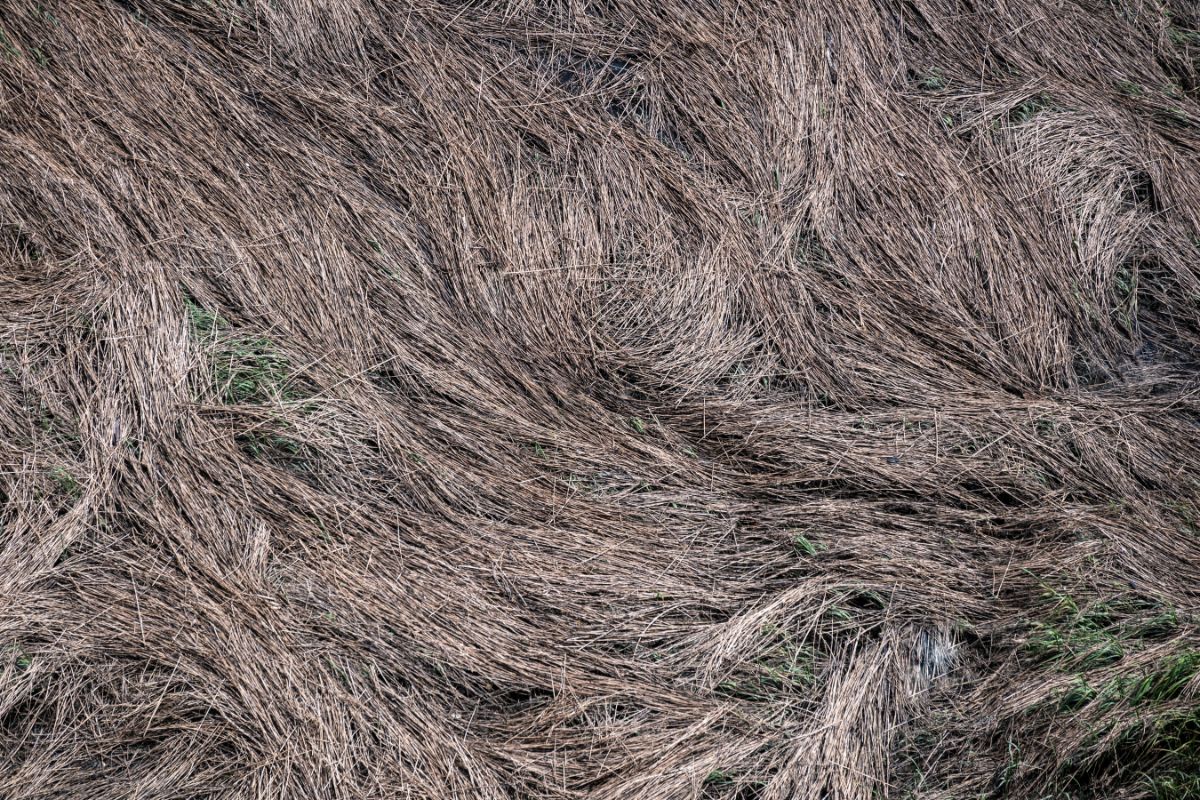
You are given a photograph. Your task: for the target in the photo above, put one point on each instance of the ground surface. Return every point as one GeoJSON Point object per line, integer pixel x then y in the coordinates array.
{"type": "Point", "coordinates": [607, 399]}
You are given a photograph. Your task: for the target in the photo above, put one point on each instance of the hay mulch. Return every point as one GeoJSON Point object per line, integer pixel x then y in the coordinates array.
{"type": "Point", "coordinates": [609, 399]}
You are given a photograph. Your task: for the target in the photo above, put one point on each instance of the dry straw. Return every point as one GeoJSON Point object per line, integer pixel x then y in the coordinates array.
{"type": "Point", "coordinates": [610, 400]}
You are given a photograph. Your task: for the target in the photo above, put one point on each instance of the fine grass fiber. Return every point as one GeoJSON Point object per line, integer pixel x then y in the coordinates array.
{"type": "Point", "coordinates": [597, 399]}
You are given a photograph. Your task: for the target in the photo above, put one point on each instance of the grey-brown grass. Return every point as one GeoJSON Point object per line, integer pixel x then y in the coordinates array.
{"type": "Point", "coordinates": [599, 400]}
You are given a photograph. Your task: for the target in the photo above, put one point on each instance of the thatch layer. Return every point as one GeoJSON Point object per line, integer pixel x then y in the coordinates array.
{"type": "Point", "coordinates": [602, 400]}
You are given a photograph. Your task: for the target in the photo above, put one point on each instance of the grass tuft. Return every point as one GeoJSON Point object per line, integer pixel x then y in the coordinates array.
{"type": "Point", "coordinates": [66, 482]}
{"type": "Point", "coordinates": [245, 369]}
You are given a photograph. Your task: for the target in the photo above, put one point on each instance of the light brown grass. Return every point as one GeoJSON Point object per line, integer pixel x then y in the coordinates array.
{"type": "Point", "coordinates": [599, 400]}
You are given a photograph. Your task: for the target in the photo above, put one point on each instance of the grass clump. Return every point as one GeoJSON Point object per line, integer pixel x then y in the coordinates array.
{"type": "Point", "coordinates": [65, 481]}
{"type": "Point", "coordinates": [1029, 108]}
{"type": "Point", "coordinates": [1175, 783]}
{"type": "Point", "coordinates": [1075, 637]}
{"type": "Point", "coordinates": [1129, 88]}
{"type": "Point", "coordinates": [806, 546]}
{"type": "Point", "coordinates": [1138, 719]}
{"type": "Point", "coordinates": [251, 371]}
{"type": "Point", "coordinates": [19, 658]}
{"type": "Point", "coordinates": [932, 81]}
{"type": "Point", "coordinates": [245, 369]}
{"type": "Point", "coordinates": [718, 777]}
{"type": "Point", "coordinates": [1167, 680]}
{"type": "Point", "coordinates": [1134, 710]}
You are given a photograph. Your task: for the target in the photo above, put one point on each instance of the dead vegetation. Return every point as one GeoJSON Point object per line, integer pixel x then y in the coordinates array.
{"type": "Point", "coordinates": [570, 399]}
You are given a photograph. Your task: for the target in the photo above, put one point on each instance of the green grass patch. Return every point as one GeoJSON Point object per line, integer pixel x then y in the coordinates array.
{"type": "Point", "coordinates": [65, 481]}
{"type": "Point", "coordinates": [251, 371]}
{"type": "Point", "coordinates": [245, 369]}
{"type": "Point", "coordinates": [1129, 730]}
{"type": "Point", "coordinates": [1166, 681]}
{"type": "Point", "coordinates": [1029, 108]}
{"type": "Point", "coordinates": [1138, 725]}
{"type": "Point", "coordinates": [806, 546]}
{"type": "Point", "coordinates": [1074, 637]}
{"type": "Point", "coordinates": [718, 777]}
{"type": "Point", "coordinates": [1130, 89]}
{"type": "Point", "coordinates": [932, 81]}
{"type": "Point", "coordinates": [17, 657]}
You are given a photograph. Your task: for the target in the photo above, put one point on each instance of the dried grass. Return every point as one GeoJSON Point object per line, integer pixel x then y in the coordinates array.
{"type": "Point", "coordinates": [602, 399]}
